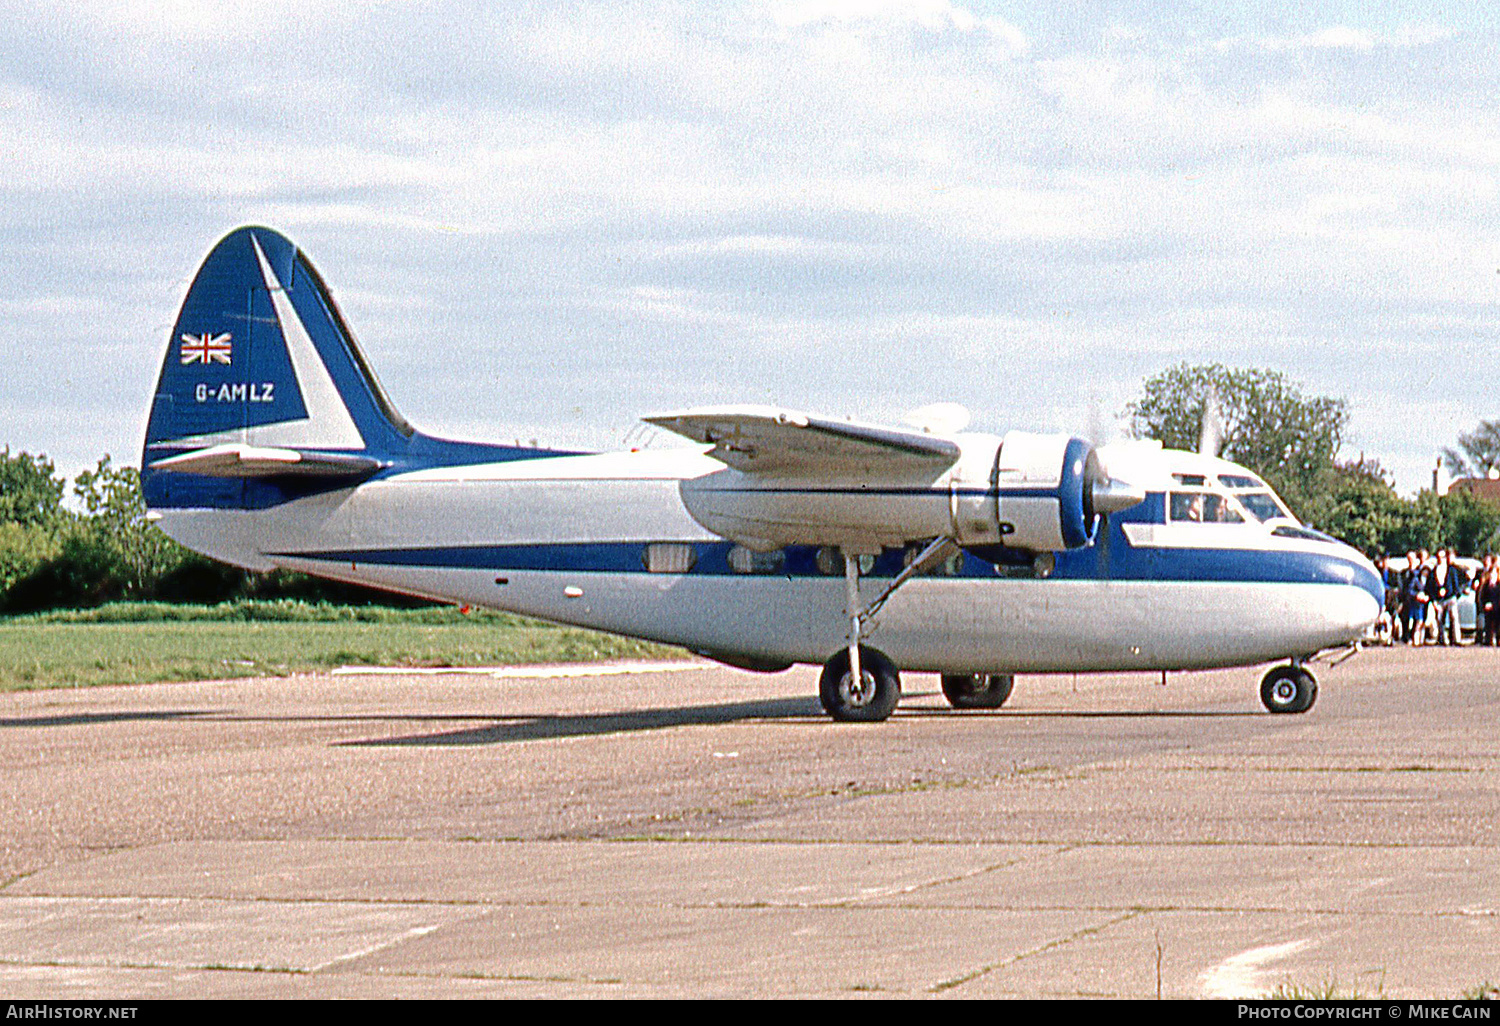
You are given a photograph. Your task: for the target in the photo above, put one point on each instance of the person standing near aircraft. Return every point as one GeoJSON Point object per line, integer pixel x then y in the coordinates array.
{"type": "Point", "coordinates": [1388, 626]}
{"type": "Point", "coordinates": [1414, 598]}
{"type": "Point", "coordinates": [1487, 602]}
{"type": "Point", "coordinates": [1447, 584]}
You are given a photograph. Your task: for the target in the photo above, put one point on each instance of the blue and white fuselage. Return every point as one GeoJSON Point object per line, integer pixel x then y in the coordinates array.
{"type": "Point", "coordinates": [1038, 553]}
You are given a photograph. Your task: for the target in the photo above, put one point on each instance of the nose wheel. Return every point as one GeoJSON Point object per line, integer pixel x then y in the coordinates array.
{"type": "Point", "coordinates": [1289, 689]}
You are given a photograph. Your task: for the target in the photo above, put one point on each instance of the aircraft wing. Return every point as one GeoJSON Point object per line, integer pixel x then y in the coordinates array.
{"type": "Point", "coordinates": [238, 460]}
{"type": "Point", "coordinates": [767, 439]}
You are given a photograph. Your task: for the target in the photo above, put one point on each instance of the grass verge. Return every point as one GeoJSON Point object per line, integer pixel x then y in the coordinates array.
{"type": "Point", "coordinates": [145, 643]}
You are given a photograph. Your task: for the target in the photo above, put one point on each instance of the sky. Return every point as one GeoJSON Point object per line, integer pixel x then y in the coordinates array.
{"type": "Point", "coordinates": [545, 221]}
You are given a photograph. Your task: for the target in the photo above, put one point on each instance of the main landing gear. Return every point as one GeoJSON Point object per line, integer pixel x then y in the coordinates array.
{"type": "Point", "coordinates": [861, 684]}
{"type": "Point", "coordinates": [870, 698]}
{"type": "Point", "coordinates": [1289, 689]}
{"type": "Point", "coordinates": [977, 690]}
{"type": "Point", "coordinates": [879, 689]}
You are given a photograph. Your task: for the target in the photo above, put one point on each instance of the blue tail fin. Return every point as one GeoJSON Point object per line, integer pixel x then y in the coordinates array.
{"type": "Point", "coordinates": [264, 394]}
{"type": "Point", "coordinates": [261, 357]}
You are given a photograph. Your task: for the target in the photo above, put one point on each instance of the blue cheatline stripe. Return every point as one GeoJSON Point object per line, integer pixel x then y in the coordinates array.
{"type": "Point", "coordinates": [1227, 566]}
{"type": "Point", "coordinates": [936, 493]}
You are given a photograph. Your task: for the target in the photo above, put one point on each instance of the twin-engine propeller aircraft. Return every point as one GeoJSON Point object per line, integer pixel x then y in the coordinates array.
{"type": "Point", "coordinates": [781, 538]}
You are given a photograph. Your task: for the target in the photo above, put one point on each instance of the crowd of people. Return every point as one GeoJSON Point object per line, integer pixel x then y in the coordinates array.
{"type": "Point", "coordinates": [1422, 593]}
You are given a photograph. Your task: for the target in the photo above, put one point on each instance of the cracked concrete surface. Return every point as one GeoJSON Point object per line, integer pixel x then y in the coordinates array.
{"type": "Point", "coordinates": [708, 832]}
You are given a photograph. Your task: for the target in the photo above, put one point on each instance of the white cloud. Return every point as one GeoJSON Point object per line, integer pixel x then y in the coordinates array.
{"type": "Point", "coordinates": [1342, 37]}
{"type": "Point", "coordinates": [1337, 37]}
{"type": "Point", "coordinates": [929, 15]}
{"type": "Point", "coordinates": [735, 196]}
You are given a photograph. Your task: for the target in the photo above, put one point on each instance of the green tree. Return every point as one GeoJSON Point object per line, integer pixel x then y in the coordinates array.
{"type": "Point", "coordinates": [1421, 528]}
{"type": "Point", "coordinates": [84, 570]}
{"type": "Point", "coordinates": [1363, 509]}
{"type": "Point", "coordinates": [29, 491]}
{"type": "Point", "coordinates": [1478, 451]}
{"type": "Point", "coordinates": [1468, 524]}
{"type": "Point", "coordinates": [23, 548]}
{"type": "Point", "coordinates": [116, 511]}
{"type": "Point", "coordinates": [1268, 425]}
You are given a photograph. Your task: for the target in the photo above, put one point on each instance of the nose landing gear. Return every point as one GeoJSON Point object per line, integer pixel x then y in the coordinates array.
{"type": "Point", "coordinates": [1289, 689]}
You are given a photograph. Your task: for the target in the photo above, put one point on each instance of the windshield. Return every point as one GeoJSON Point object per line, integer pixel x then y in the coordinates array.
{"type": "Point", "coordinates": [1262, 506]}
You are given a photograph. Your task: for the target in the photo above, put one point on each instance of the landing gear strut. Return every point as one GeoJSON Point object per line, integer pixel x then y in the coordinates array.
{"type": "Point", "coordinates": [860, 683]}
{"type": "Point", "coordinates": [1289, 689]}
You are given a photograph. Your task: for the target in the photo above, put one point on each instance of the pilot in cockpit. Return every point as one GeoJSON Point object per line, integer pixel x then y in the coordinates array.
{"type": "Point", "coordinates": [1201, 508]}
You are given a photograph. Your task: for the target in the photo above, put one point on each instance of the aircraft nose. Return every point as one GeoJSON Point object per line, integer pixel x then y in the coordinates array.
{"type": "Point", "coordinates": [1370, 581]}
{"type": "Point", "coordinates": [1363, 575]}
{"type": "Point", "coordinates": [1368, 578]}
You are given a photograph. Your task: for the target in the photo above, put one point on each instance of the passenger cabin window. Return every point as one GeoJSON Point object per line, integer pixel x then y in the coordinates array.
{"type": "Point", "coordinates": [669, 557]}
{"type": "Point", "coordinates": [1239, 481]}
{"type": "Point", "coordinates": [748, 561]}
{"type": "Point", "coordinates": [1040, 566]}
{"type": "Point", "coordinates": [950, 567]}
{"type": "Point", "coordinates": [830, 561]}
{"type": "Point", "coordinates": [1202, 508]}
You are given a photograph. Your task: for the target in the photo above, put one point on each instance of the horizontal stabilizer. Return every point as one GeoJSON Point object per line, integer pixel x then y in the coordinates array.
{"type": "Point", "coordinates": [238, 460]}
{"type": "Point", "coordinates": [763, 438]}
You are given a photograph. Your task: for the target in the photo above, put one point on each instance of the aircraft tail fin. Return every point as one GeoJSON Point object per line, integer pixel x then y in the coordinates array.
{"type": "Point", "coordinates": [262, 379]}
{"type": "Point", "coordinates": [264, 396]}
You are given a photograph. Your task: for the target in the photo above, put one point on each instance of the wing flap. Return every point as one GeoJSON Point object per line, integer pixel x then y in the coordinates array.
{"type": "Point", "coordinates": [767, 439]}
{"type": "Point", "coordinates": [243, 461]}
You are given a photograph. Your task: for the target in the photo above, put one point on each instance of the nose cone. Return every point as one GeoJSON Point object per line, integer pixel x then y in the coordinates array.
{"type": "Point", "coordinates": [1361, 573]}
{"type": "Point", "coordinates": [1368, 578]}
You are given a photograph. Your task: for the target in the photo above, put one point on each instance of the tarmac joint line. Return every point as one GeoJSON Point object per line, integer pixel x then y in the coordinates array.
{"type": "Point", "coordinates": [1052, 945]}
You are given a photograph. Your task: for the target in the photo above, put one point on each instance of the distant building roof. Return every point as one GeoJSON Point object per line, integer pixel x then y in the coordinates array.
{"type": "Point", "coordinates": [1487, 488]}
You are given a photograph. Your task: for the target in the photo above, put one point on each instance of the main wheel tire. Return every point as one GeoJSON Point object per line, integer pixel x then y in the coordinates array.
{"type": "Point", "coordinates": [977, 690]}
{"type": "Point", "coordinates": [872, 700]}
{"type": "Point", "coordinates": [1288, 689]}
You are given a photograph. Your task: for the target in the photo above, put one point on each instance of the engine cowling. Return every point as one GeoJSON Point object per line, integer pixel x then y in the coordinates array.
{"type": "Point", "coordinates": [1024, 491]}
{"type": "Point", "coordinates": [1043, 491]}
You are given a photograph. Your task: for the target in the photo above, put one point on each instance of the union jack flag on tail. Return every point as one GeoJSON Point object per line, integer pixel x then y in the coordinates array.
{"type": "Point", "coordinates": [206, 348]}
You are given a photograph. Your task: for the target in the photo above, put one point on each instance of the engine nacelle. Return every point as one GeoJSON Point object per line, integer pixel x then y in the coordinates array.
{"type": "Point", "coordinates": [1025, 491]}
{"type": "Point", "coordinates": [1044, 488]}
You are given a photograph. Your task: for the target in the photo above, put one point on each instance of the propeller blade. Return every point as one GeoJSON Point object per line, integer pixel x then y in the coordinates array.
{"type": "Point", "coordinates": [1211, 427]}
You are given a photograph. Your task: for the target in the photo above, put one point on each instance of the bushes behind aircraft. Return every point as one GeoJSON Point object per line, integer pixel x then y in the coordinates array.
{"type": "Point", "coordinates": [53, 557]}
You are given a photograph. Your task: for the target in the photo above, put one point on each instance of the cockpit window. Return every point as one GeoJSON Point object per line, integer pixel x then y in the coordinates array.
{"type": "Point", "coordinates": [1202, 508]}
{"type": "Point", "coordinates": [1239, 481]}
{"type": "Point", "coordinates": [1196, 480]}
{"type": "Point", "coordinates": [1262, 506]}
